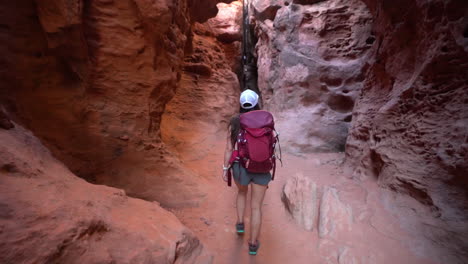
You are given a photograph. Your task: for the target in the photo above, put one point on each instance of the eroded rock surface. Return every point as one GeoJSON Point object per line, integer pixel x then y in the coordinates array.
{"type": "Point", "coordinates": [136, 94]}
{"type": "Point", "coordinates": [410, 123]}
{"type": "Point", "coordinates": [92, 79]}
{"type": "Point", "coordinates": [48, 215]}
{"type": "Point", "coordinates": [207, 95]}
{"type": "Point", "coordinates": [226, 25]}
{"type": "Point", "coordinates": [311, 59]}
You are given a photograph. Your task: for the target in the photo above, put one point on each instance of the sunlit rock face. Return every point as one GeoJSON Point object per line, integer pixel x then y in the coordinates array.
{"type": "Point", "coordinates": [92, 79]}
{"type": "Point", "coordinates": [410, 123]}
{"type": "Point", "coordinates": [311, 60]}
{"type": "Point", "coordinates": [227, 25]}
{"type": "Point", "coordinates": [227, 28]}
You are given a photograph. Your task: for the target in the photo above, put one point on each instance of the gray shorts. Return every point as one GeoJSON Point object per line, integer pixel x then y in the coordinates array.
{"type": "Point", "coordinates": [243, 177]}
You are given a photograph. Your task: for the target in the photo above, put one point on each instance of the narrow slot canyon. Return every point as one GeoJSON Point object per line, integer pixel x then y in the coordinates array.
{"type": "Point", "coordinates": [114, 119]}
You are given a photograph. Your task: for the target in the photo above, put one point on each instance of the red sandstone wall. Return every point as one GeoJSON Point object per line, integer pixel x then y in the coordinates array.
{"type": "Point", "coordinates": [92, 79]}
{"type": "Point", "coordinates": [95, 79]}
{"type": "Point", "coordinates": [48, 215]}
{"type": "Point", "coordinates": [410, 122]}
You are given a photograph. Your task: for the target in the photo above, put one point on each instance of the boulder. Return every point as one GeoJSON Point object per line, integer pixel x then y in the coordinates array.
{"type": "Point", "coordinates": [299, 196]}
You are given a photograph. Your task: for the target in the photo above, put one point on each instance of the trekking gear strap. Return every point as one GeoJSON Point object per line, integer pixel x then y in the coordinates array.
{"type": "Point", "coordinates": [234, 157]}
{"type": "Point", "coordinates": [274, 154]}
{"type": "Point", "coordinates": [274, 169]}
{"type": "Point", "coordinates": [279, 147]}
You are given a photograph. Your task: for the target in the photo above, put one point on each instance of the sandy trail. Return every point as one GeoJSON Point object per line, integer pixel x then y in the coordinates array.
{"type": "Point", "coordinates": [374, 235]}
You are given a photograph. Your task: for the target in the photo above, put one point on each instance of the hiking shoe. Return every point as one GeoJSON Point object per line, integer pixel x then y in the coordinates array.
{"type": "Point", "coordinates": [253, 248]}
{"type": "Point", "coordinates": [240, 228]}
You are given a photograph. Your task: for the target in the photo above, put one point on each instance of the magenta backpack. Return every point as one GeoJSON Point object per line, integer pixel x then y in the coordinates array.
{"type": "Point", "coordinates": [256, 142]}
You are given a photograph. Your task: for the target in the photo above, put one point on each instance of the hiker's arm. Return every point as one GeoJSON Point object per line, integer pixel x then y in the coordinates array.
{"type": "Point", "coordinates": [227, 155]}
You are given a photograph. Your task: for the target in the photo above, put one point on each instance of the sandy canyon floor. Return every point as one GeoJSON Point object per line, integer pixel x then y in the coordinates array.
{"type": "Point", "coordinates": [356, 225]}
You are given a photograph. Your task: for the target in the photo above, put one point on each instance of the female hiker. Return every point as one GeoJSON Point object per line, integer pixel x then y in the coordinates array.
{"type": "Point", "coordinates": [257, 174]}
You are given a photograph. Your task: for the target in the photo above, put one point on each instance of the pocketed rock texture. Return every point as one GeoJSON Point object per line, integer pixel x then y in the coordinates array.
{"type": "Point", "coordinates": [48, 215]}
{"type": "Point", "coordinates": [410, 123]}
{"type": "Point", "coordinates": [92, 78]}
{"type": "Point", "coordinates": [311, 60]}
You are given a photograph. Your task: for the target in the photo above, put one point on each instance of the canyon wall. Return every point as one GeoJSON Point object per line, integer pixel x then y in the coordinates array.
{"type": "Point", "coordinates": [49, 215]}
{"type": "Point", "coordinates": [92, 80]}
{"type": "Point", "coordinates": [207, 95]}
{"type": "Point", "coordinates": [394, 73]}
{"type": "Point", "coordinates": [126, 93]}
{"type": "Point", "coordinates": [312, 57]}
{"type": "Point", "coordinates": [410, 121]}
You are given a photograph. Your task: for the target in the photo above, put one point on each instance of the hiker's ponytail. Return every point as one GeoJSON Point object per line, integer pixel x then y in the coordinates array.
{"type": "Point", "coordinates": [234, 126]}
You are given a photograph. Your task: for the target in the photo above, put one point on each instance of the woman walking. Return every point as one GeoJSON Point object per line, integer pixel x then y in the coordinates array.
{"type": "Point", "coordinates": [258, 181]}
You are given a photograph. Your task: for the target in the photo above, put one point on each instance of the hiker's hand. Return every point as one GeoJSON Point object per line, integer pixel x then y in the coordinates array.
{"type": "Point", "coordinates": [225, 173]}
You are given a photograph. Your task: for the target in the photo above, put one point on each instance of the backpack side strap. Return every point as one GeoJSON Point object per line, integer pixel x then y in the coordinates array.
{"type": "Point", "coordinates": [279, 147]}
{"type": "Point", "coordinates": [274, 169]}
{"type": "Point", "coordinates": [277, 141]}
{"type": "Point", "coordinates": [234, 157]}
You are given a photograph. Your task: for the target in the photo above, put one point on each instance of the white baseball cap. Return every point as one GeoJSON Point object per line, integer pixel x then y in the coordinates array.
{"type": "Point", "coordinates": [248, 99]}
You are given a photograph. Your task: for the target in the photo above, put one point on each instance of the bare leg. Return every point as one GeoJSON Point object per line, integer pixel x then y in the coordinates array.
{"type": "Point", "coordinates": [258, 193]}
{"type": "Point", "coordinates": [241, 201]}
